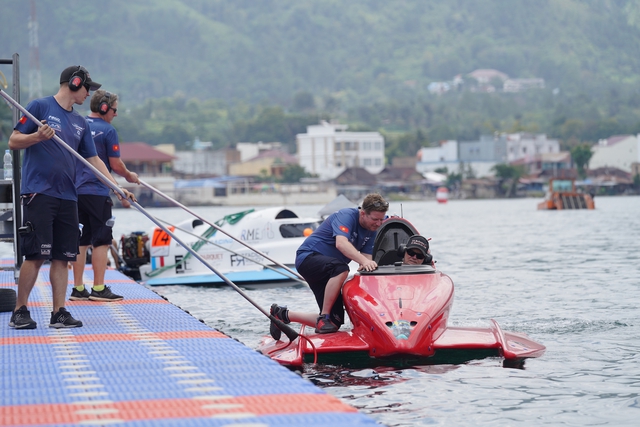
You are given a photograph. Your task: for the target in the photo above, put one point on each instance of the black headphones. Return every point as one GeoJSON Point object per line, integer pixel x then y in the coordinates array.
{"type": "Point", "coordinates": [105, 104]}
{"type": "Point", "coordinates": [78, 78]}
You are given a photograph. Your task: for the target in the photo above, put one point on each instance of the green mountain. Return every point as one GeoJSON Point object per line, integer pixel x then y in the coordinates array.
{"type": "Point", "coordinates": [353, 51]}
{"type": "Point", "coordinates": [224, 70]}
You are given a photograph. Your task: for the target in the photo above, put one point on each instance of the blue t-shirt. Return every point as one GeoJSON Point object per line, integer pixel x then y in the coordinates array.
{"type": "Point", "coordinates": [49, 168]}
{"type": "Point", "coordinates": [106, 139]}
{"type": "Point", "coordinates": [345, 223]}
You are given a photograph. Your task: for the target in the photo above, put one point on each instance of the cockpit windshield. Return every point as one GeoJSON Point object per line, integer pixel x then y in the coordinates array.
{"type": "Point", "coordinates": [298, 230]}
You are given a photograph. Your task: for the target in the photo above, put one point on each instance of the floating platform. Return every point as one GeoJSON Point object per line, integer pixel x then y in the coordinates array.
{"type": "Point", "coordinates": [144, 361]}
{"type": "Point", "coordinates": [563, 195]}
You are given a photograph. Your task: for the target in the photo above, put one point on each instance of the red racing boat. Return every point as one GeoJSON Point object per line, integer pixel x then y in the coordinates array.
{"type": "Point", "coordinates": [399, 315]}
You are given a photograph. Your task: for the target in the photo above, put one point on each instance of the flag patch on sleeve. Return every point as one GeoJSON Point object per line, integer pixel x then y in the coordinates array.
{"type": "Point", "coordinates": [344, 229]}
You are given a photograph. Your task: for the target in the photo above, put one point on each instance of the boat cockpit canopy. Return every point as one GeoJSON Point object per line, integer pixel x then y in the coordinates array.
{"type": "Point", "coordinates": [391, 234]}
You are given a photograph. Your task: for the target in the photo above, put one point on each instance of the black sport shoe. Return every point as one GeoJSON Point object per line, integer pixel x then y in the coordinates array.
{"type": "Point", "coordinates": [76, 295]}
{"type": "Point", "coordinates": [63, 319]}
{"type": "Point", "coordinates": [20, 319]}
{"type": "Point", "coordinates": [324, 325]}
{"type": "Point", "coordinates": [104, 295]}
{"type": "Point", "coordinates": [280, 313]}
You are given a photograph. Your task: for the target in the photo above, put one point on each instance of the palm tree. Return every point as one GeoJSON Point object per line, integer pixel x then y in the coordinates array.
{"type": "Point", "coordinates": [581, 154]}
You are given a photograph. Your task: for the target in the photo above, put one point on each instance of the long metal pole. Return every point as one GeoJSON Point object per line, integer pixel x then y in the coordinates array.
{"type": "Point", "coordinates": [17, 209]}
{"type": "Point", "coordinates": [291, 334]}
{"type": "Point", "coordinates": [177, 203]}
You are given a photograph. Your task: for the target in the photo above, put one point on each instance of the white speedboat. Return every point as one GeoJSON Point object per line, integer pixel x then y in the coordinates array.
{"type": "Point", "coordinates": [156, 259]}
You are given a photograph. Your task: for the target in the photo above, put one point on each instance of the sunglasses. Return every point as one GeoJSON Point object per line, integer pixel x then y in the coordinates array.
{"type": "Point", "coordinates": [115, 110]}
{"type": "Point", "coordinates": [376, 205]}
{"type": "Point", "coordinates": [413, 253]}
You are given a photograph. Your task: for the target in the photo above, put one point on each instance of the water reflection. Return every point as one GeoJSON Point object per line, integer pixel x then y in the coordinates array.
{"type": "Point", "coordinates": [336, 376]}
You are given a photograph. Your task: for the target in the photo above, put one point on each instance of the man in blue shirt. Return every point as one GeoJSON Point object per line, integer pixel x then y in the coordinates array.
{"type": "Point", "coordinates": [48, 193]}
{"type": "Point", "coordinates": [323, 260]}
{"type": "Point", "coordinates": [94, 200]}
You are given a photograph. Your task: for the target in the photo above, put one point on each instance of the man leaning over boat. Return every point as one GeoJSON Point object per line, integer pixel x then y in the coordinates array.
{"type": "Point", "coordinates": [323, 260]}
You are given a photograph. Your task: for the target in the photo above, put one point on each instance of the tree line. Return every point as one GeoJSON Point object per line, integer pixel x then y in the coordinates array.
{"type": "Point", "coordinates": [407, 124]}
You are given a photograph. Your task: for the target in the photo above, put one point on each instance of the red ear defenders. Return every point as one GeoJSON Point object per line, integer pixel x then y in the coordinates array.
{"type": "Point", "coordinates": [78, 78]}
{"type": "Point", "coordinates": [104, 106]}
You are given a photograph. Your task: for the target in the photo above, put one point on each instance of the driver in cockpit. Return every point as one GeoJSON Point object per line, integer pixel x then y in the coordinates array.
{"type": "Point", "coordinates": [416, 251]}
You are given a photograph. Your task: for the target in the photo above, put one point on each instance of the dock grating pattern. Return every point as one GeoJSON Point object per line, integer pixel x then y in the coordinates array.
{"type": "Point", "coordinates": [143, 361]}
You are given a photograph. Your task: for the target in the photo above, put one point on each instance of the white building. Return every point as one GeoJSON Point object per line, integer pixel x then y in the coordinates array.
{"type": "Point", "coordinates": [203, 160]}
{"type": "Point", "coordinates": [525, 145]}
{"type": "Point", "coordinates": [521, 85]}
{"type": "Point", "coordinates": [446, 152]}
{"type": "Point", "coordinates": [620, 151]}
{"type": "Point", "coordinates": [328, 149]}
{"type": "Point", "coordinates": [249, 150]}
{"type": "Point", "coordinates": [481, 156]}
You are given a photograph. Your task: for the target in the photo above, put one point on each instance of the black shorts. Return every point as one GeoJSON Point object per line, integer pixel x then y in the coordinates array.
{"type": "Point", "coordinates": [317, 269]}
{"type": "Point", "coordinates": [93, 214]}
{"type": "Point", "coordinates": [52, 228]}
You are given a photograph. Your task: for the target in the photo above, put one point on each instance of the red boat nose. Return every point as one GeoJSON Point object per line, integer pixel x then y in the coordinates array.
{"type": "Point", "coordinates": [390, 311]}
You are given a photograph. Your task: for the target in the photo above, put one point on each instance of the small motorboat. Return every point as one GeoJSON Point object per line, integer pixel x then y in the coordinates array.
{"type": "Point", "coordinates": [399, 315]}
{"type": "Point", "coordinates": [156, 259]}
{"type": "Point", "coordinates": [562, 194]}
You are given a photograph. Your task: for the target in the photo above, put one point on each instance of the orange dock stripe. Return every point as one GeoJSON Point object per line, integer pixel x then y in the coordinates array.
{"type": "Point", "coordinates": [218, 406]}
{"type": "Point", "coordinates": [171, 335]}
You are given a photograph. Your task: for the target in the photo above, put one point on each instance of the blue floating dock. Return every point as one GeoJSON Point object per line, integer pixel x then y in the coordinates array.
{"type": "Point", "coordinates": [143, 361]}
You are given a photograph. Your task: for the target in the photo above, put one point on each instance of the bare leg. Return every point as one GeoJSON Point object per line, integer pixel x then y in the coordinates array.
{"type": "Point", "coordinates": [59, 277]}
{"type": "Point", "coordinates": [331, 292]}
{"type": "Point", "coordinates": [28, 276]}
{"type": "Point", "coordinates": [78, 266]}
{"type": "Point", "coordinates": [99, 263]}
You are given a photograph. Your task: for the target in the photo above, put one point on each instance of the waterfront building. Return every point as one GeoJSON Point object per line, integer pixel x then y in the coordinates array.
{"type": "Point", "coordinates": [477, 158]}
{"type": "Point", "coordinates": [620, 151]}
{"type": "Point", "coordinates": [328, 149]}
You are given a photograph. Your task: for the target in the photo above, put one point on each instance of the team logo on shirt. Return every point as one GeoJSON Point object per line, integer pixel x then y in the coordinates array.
{"type": "Point", "coordinates": [79, 130]}
{"type": "Point", "coordinates": [344, 229]}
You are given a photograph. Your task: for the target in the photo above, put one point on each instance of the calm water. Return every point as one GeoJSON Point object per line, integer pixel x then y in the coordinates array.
{"type": "Point", "coordinates": [569, 279]}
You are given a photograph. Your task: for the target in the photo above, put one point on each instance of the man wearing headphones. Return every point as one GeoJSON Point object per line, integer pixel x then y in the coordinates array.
{"type": "Point", "coordinates": [48, 193]}
{"type": "Point", "coordinates": [94, 200]}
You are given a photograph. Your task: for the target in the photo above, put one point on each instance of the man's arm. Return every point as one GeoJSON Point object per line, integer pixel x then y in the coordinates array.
{"type": "Point", "coordinates": [118, 166]}
{"type": "Point", "coordinates": [348, 250]}
{"type": "Point", "coordinates": [20, 141]}
{"type": "Point", "coordinates": [96, 162]}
